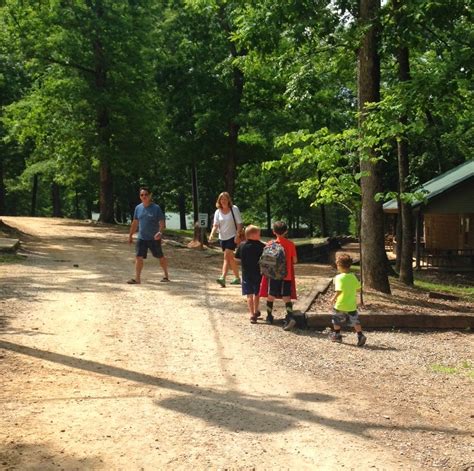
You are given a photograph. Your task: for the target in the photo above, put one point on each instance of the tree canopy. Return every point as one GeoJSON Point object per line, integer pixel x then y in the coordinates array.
{"type": "Point", "coordinates": [259, 98]}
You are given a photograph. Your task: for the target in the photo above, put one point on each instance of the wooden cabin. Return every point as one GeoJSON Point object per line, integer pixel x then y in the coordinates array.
{"type": "Point", "coordinates": [444, 220]}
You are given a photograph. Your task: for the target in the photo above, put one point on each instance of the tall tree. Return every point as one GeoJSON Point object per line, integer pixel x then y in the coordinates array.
{"type": "Point", "coordinates": [374, 259]}
{"type": "Point", "coordinates": [92, 103]}
{"type": "Point", "coordinates": [405, 210]}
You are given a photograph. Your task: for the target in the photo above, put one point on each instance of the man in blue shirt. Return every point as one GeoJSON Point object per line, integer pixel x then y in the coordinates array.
{"type": "Point", "coordinates": [150, 222]}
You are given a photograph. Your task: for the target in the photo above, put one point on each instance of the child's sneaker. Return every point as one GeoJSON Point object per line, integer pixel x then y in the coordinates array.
{"type": "Point", "coordinates": [269, 319]}
{"type": "Point", "coordinates": [361, 340]}
{"type": "Point", "coordinates": [221, 281]}
{"type": "Point", "coordinates": [235, 281]}
{"type": "Point", "coordinates": [335, 337]}
{"type": "Point", "coordinates": [258, 314]}
{"type": "Point", "coordinates": [253, 319]}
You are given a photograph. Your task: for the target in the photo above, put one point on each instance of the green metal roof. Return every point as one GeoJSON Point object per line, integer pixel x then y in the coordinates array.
{"type": "Point", "coordinates": [439, 184]}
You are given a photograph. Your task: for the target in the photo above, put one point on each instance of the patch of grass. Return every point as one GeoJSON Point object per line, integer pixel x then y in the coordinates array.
{"type": "Point", "coordinates": [465, 368]}
{"type": "Point", "coordinates": [179, 232]}
{"type": "Point", "coordinates": [313, 241]}
{"type": "Point", "coordinates": [11, 258]}
{"type": "Point", "coordinates": [456, 290]}
{"type": "Point", "coordinates": [444, 369]}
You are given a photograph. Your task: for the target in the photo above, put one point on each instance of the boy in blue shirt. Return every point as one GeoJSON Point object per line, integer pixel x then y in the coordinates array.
{"type": "Point", "coordinates": [150, 223]}
{"type": "Point", "coordinates": [345, 312]}
{"type": "Point", "coordinates": [249, 253]}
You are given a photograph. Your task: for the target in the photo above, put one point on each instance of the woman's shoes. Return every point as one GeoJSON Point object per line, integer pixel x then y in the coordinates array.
{"type": "Point", "coordinates": [221, 281]}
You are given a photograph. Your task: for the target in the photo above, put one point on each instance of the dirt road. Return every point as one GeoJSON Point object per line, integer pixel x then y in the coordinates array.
{"type": "Point", "coordinates": [98, 374]}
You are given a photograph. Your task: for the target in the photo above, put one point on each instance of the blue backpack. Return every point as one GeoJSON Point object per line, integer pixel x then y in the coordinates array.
{"type": "Point", "coordinates": [273, 261]}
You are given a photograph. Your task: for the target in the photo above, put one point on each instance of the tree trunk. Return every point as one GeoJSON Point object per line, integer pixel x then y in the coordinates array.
{"type": "Point", "coordinates": [76, 205]}
{"type": "Point", "coordinates": [404, 209]}
{"type": "Point", "coordinates": [233, 140]}
{"type": "Point", "coordinates": [398, 238]}
{"type": "Point", "coordinates": [439, 148]}
{"type": "Point", "coordinates": [194, 184]}
{"type": "Point", "coordinates": [2, 189]}
{"type": "Point", "coordinates": [56, 200]}
{"type": "Point", "coordinates": [182, 211]}
{"type": "Point", "coordinates": [106, 196]}
{"type": "Point", "coordinates": [34, 195]}
{"type": "Point", "coordinates": [89, 207]}
{"type": "Point", "coordinates": [372, 225]}
{"type": "Point", "coordinates": [269, 214]}
{"type": "Point", "coordinates": [118, 212]}
{"type": "Point", "coordinates": [231, 158]}
{"type": "Point", "coordinates": [324, 227]}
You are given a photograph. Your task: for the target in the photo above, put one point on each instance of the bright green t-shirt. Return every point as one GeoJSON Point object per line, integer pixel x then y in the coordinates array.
{"type": "Point", "coordinates": [347, 284]}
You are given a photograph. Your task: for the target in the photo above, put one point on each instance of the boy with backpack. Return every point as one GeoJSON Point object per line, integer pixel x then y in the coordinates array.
{"type": "Point", "coordinates": [346, 286]}
{"type": "Point", "coordinates": [249, 253]}
{"type": "Point", "coordinates": [277, 265]}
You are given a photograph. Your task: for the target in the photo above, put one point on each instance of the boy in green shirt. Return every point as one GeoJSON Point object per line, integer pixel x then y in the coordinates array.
{"type": "Point", "coordinates": [346, 286]}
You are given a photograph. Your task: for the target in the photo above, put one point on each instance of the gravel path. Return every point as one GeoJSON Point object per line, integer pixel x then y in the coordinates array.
{"type": "Point", "coordinates": [97, 374]}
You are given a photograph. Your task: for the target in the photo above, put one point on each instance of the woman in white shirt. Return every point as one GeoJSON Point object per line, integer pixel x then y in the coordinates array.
{"type": "Point", "coordinates": [228, 222]}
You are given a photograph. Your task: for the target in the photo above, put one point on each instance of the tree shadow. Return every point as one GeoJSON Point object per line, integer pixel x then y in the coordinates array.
{"type": "Point", "coordinates": [5, 321]}
{"type": "Point", "coordinates": [313, 397]}
{"type": "Point", "coordinates": [371, 347]}
{"type": "Point", "coordinates": [33, 457]}
{"type": "Point", "coordinates": [230, 409]}
{"type": "Point", "coordinates": [409, 301]}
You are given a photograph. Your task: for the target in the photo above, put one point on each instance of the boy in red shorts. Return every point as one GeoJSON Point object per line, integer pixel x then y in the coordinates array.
{"type": "Point", "coordinates": [284, 289]}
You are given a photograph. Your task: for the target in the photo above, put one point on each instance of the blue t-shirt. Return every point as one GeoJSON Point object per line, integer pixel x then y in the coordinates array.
{"type": "Point", "coordinates": [149, 218]}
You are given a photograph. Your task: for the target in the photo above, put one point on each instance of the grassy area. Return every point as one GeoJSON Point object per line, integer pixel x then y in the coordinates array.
{"type": "Point", "coordinates": [180, 232]}
{"type": "Point", "coordinates": [11, 258]}
{"type": "Point", "coordinates": [465, 368]}
{"type": "Point", "coordinates": [190, 233]}
{"type": "Point", "coordinates": [456, 290]}
{"type": "Point", "coordinates": [312, 241]}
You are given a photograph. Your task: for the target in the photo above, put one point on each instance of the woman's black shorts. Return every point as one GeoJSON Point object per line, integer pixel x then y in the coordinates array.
{"type": "Point", "coordinates": [228, 244]}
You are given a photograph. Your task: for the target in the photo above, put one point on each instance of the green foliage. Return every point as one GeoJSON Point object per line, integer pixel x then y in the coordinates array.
{"type": "Point", "coordinates": [323, 165]}
{"type": "Point", "coordinates": [56, 116]}
{"type": "Point", "coordinates": [170, 94]}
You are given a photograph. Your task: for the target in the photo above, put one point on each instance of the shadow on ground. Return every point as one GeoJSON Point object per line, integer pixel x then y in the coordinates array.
{"type": "Point", "coordinates": [29, 457]}
{"type": "Point", "coordinates": [230, 409]}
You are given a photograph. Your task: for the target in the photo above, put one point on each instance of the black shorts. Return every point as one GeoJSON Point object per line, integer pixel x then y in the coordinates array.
{"type": "Point", "coordinates": [279, 288]}
{"type": "Point", "coordinates": [142, 246]}
{"type": "Point", "coordinates": [228, 244]}
{"type": "Point", "coordinates": [251, 285]}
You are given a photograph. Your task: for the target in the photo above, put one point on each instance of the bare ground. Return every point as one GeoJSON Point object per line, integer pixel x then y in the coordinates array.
{"type": "Point", "coordinates": [98, 374]}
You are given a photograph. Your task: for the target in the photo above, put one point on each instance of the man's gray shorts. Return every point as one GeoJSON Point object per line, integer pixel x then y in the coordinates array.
{"type": "Point", "coordinates": [349, 319]}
